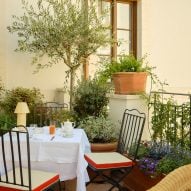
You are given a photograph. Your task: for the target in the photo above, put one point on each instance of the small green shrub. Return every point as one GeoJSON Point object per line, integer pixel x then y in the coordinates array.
{"type": "Point", "coordinates": [99, 129]}
{"type": "Point", "coordinates": [90, 98]}
{"type": "Point", "coordinates": [12, 97]}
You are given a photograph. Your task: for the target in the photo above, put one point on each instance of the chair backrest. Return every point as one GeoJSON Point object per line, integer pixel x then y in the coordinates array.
{"type": "Point", "coordinates": [131, 131]}
{"type": "Point", "coordinates": [44, 113]}
{"type": "Point", "coordinates": [14, 156]}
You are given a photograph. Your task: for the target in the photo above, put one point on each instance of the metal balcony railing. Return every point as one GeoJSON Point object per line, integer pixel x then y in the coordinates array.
{"type": "Point", "coordinates": [171, 118]}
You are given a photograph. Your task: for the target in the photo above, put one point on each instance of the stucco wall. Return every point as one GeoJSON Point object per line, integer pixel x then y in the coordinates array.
{"type": "Point", "coordinates": [166, 30]}
{"type": "Point", "coordinates": [163, 33]}
{"type": "Point", "coordinates": [15, 67]}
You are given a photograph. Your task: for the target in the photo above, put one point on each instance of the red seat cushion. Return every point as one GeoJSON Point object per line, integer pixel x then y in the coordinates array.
{"type": "Point", "coordinates": [108, 160]}
{"type": "Point", "coordinates": [40, 180]}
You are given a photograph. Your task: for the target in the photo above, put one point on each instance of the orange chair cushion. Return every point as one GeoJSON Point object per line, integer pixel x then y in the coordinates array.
{"type": "Point", "coordinates": [108, 160]}
{"type": "Point", "coordinates": [40, 180]}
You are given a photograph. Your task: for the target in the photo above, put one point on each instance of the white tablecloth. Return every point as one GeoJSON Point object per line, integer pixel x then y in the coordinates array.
{"type": "Point", "coordinates": [62, 155]}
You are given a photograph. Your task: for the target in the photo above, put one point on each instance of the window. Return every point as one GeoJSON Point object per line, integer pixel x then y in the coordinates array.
{"type": "Point", "coordinates": [122, 17]}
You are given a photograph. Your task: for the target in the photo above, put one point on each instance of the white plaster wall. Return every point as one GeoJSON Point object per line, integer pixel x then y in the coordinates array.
{"type": "Point", "coordinates": [2, 44]}
{"type": "Point", "coordinates": [118, 104]}
{"type": "Point", "coordinates": [15, 67]}
{"type": "Point", "coordinates": [164, 30]}
{"type": "Point", "coordinates": [166, 37]}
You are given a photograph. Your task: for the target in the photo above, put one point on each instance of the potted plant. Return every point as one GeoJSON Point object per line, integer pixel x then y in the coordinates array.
{"type": "Point", "coordinates": [169, 147]}
{"type": "Point", "coordinates": [101, 132]}
{"type": "Point", "coordinates": [129, 74]}
{"type": "Point", "coordinates": [90, 107]}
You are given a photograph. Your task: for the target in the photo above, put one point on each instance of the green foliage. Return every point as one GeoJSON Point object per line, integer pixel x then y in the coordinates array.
{"type": "Point", "coordinates": [63, 30]}
{"type": "Point", "coordinates": [173, 160]}
{"type": "Point", "coordinates": [170, 144]}
{"type": "Point", "coordinates": [1, 89]}
{"type": "Point", "coordinates": [5, 123]}
{"type": "Point", "coordinates": [8, 120]}
{"type": "Point", "coordinates": [127, 63]}
{"type": "Point", "coordinates": [57, 28]}
{"type": "Point", "coordinates": [90, 107]}
{"type": "Point", "coordinates": [143, 150]}
{"type": "Point", "coordinates": [170, 121]}
{"type": "Point", "coordinates": [99, 129]}
{"type": "Point", "coordinates": [19, 94]}
{"type": "Point", "coordinates": [90, 98]}
{"type": "Point", "coordinates": [62, 116]}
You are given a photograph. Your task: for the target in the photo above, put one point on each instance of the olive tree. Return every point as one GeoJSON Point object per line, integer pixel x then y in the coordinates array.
{"type": "Point", "coordinates": [66, 31]}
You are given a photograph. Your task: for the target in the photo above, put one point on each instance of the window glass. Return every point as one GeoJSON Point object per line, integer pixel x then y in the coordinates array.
{"type": "Point", "coordinates": [123, 38]}
{"type": "Point", "coordinates": [106, 50]}
{"type": "Point", "coordinates": [106, 6]}
{"type": "Point", "coordinates": [123, 11]}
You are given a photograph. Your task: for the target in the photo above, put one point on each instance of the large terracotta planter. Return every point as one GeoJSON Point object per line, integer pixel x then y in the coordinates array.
{"type": "Point", "coordinates": [129, 82]}
{"type": "Point", "coordinates": [139, 181]}
{"type": "Point", "coordinates": [103, 147]}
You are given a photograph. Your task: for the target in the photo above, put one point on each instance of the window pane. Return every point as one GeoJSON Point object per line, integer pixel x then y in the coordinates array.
{"type": "Point", "coordinates": [123, 11]}
{"type": "Point", "coordinates": [124, 42]}
{"type": "Point", "coordinates": [106, 50]}
{"type": "Point", "coordinates": [106, 7]}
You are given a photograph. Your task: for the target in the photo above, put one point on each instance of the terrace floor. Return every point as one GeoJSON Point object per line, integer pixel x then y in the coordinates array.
{"type": "Point", "coordinates": [70, 186]}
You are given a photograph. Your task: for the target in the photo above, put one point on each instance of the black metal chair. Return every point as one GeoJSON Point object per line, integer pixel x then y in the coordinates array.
{"type": "Point", "coordinates": [106, 165]}
{"type": "Point", "coordinates": [15, 169]}
{"type": "Point", "coordinates": [44, 113]}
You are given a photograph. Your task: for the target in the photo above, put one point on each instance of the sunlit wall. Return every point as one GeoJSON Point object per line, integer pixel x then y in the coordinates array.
{"type": "Point", "coordinates": [164, 30]}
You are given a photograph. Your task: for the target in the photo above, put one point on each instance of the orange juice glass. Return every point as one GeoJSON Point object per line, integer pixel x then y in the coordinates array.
{"type": "Point", "coordinates": [52, 129]}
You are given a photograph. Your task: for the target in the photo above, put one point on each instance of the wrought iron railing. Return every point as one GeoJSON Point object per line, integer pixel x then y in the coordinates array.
{"type": "Point", "coordinates": [171, 118]}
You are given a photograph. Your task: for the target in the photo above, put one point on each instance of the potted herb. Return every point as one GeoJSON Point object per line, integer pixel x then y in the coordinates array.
{"type": "Point", "coordinates": [101, 132]}
{"type": "Point", "coordinates": [129, 74]}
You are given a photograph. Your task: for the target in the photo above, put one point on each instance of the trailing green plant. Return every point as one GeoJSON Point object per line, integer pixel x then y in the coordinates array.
{"type": "Point", "coordinates": [90, 98]}
{"type": "Point", "coordinates": [170, 121]}
{"type": "Point", "coordinates": [175, 158]}
{"type": "Point", "coordinates": [99, 129]}
{"type": "Point", "coordinates": [20, 94]}
{"type": "Point", "coordinates": [126, 63]}
{"type": "Point", "coordinates": [63, 30]}
{"type": "Point", "coordinates": [169, 147]}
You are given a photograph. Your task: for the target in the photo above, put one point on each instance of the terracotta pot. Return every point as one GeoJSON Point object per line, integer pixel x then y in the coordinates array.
{"type": "Point", "coordinates": [139, 181]}
{"type": "Point", "coordinates": [129, 82]}
{"type": "Point", "coordinates": [103, 147]}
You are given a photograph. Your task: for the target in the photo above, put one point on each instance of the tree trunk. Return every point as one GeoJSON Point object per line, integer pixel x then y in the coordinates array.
{"type": "Point", "coordinates": [72, 80]}
{"type": "Point", "coordinates": [85, 68]}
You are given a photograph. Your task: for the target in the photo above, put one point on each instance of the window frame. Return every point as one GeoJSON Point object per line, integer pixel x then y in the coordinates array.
{"type": "Point", "coordinates": [133, 28]}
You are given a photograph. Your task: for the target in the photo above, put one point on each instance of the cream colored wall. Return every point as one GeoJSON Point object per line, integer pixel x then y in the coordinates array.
{"type": "Point", "coordinates": [2, 44]}
{"type": "Point", "coordinates": [166, 37]}
{"type": "Point", "coordinates": [163, 33]}
{"type": "Point", "coordinates": [15, 67]}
